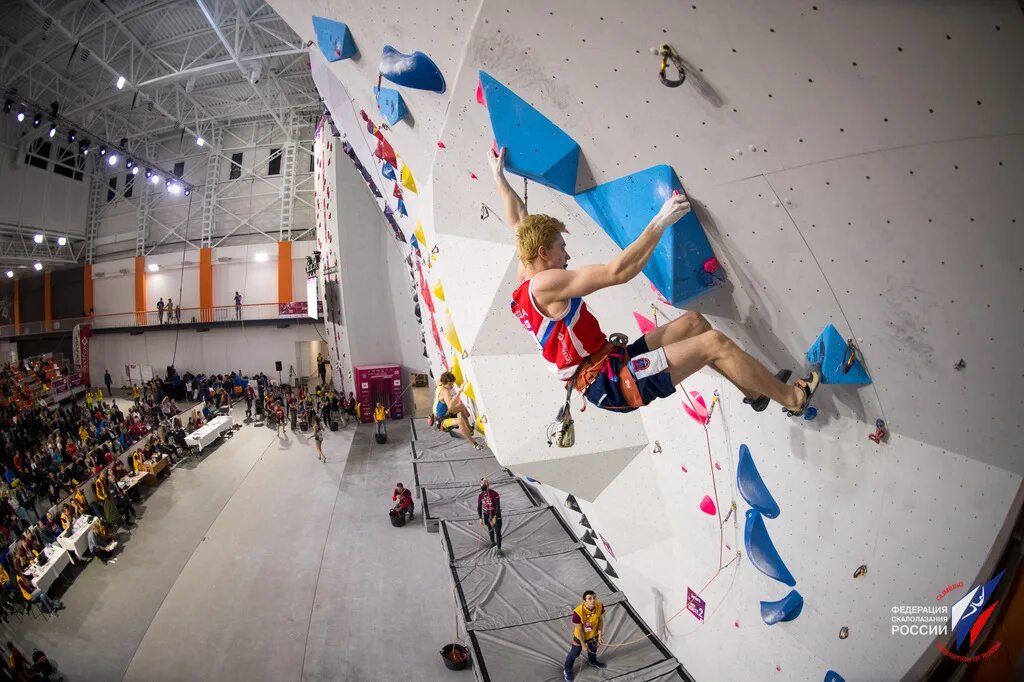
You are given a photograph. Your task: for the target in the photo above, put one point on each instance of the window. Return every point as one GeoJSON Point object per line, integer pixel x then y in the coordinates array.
{"type": "Point", "coordinates": [129, 185]}
{"type": "Point", "coordinates": [39, 153]}
{"type": "Point", "coordinates": [179, 170]}
{"type": "Point", "coordinates": [69, 164]}
{"type": "Point", "coordinates": [312, 159]}
{"type": "Point", "coordinates": [236, 166]}
{"type": "Point", "coordinates": [274, 164]}
{"type": "Point", "coordinates": [112, 188]}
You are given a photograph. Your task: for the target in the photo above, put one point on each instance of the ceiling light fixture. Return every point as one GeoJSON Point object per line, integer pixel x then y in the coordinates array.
{"type": "Point", "coordinates": [38, 239]}
{"type": "Point", "coordinates": [72, 136]}
{"type": "Point", "coordinates": [10, 274]}
{"type": "Point", "coordinates": [153, 267]}
{"type": "Point", "coordinates": [200, 141]}
{"type": "Point", "coordinates": [120, 82]}
{"type": "Point", "coordinates": [262, 257]}
{"type": "Point", "coordinates": [38, 266]}
{"type": "Point", "coordinates": [53, 129]}
{"type": "Point", "coordinates": [37, 120]}
{"type": "Point", "coordinates": [21, 116]}
{"type": "Point", "coordinates": [61, 241]}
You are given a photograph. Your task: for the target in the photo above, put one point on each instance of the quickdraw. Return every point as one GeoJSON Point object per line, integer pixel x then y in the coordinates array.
{"type": "Point", "coordinates": [880, 432]}
{"type": "Point", "coordinates": [668, 54]}
{"type": "Point", "coordinates": [851, 349]}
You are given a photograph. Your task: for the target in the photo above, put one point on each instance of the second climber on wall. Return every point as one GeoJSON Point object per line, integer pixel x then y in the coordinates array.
{"type": "Point", "coordinates": [548, 302]}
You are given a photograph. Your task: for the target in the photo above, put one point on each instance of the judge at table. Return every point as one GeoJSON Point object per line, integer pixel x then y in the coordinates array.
{"type": "Point", "coordinates": [30, 593]}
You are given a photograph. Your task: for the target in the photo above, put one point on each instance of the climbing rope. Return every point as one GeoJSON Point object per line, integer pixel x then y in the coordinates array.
{"type": "Point", "coordinates": [668, 54]}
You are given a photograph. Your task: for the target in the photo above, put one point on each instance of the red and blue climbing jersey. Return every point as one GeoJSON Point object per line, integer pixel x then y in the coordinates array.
{"type": "Point", "coordinates": [564, 342]}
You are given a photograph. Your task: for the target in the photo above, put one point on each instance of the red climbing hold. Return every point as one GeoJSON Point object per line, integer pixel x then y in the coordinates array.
{"type": "Point", "coordinates": [643, 323]}
{"type": "Point", "coordinates": [472, 176]}
{"type": "Point", "coordinates": [711, 265]}
{"type": "Point", "coordinates": [707, 505]}
{"type": "Point", "coordinates": [736, 624]}
{"type": "Point", "coordinates": [685, 470]}
{"type": "Point", "coordinates": [718, 466]}
{"type": "Point", "coordinates": [699, 411]}
{"type": "Point", "coordinates": [397, 193]}
{"type": "Point", "coordinates": [494, 147]}
{"type": "Point", "coordinates": [440, 145]}
{"type": "Point", "coordinates": [480, 93]}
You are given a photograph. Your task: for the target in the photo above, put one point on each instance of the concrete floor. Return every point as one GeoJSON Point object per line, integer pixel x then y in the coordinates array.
{"type": "Point", "coordinates": [258, 562]}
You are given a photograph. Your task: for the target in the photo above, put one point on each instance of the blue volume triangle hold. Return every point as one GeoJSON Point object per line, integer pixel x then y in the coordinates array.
{"type": "Point", "coordinates": [390, 104]}
{"type": "Point", "coordinates": [762, 551]}
{"type": "Point", "coordinates": [831, 352]}
{"type": "Point", "coordinates": [536, 148]}
{"type": "Point", "coordinates": [785, 609]}
{"type": "Point", "coordinates": [334, 39]}
{"type": "Point", "coordinates": [624, 207]}
{"type": "Point", "coordinates": [833, 676]}
{"type": "Point", "coordinates": [752, 487]}
{"type": "Point", "coordinates": [416, 70]}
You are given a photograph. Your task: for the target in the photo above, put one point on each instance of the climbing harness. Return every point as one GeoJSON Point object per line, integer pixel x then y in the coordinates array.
{"type": "Point", "coordinates": [667, 54]}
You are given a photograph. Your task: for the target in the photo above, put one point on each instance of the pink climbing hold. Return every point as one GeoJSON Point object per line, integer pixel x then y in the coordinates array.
{"type": "Point", "coordinates": [642, 322]}
{"type": "Point", "coordinates": [736, 624]}
{"type": "Point", "coordinates": [718, 466]}
{"type": "Point", "coordinates": [699, 411]}
{"type": "Point", "coordinates": [440, 145]}
{"type": "Point", "coordinates": [661, 299]}
{"type": "Point", "coordinates": [685, 470]}
{"type": "Point", "coordinates": [707, 505]}
{"type": "Point", "coordinates": [711, 265]}
{"type": "Point", "coordinates": [472, 176]}
{"type": "Point", "coordinates": [728, 547]}
{"type": "Point", "coordinates": [480, 93]}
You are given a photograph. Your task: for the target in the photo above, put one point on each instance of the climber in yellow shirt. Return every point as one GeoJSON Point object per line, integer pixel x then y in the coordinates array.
{"type": "Point", "coordinates": [588, 630]}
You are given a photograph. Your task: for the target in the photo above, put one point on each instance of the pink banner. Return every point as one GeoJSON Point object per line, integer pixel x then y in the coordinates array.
{"type": "Point", "coordinates": [298, 309]}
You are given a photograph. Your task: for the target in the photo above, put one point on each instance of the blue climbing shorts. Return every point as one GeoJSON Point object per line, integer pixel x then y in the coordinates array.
{"type": "Point", "coordinates": [648, 367]}
{"type": "Point", "coordinates": [440, 409]}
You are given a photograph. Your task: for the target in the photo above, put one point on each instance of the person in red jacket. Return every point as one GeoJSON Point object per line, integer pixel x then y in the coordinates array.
{"type": "Point", "coordinates": [403, 499]}
{"type": "Point", "coordinates": [488, 508]}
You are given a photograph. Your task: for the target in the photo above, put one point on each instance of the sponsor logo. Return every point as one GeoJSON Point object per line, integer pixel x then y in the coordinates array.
{"type": "Point", "coordinates": [640, 364]}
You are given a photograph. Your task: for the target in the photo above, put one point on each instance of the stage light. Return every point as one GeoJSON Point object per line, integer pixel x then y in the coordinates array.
{"type": "Point", "coordinates": [120, 82]}
{"type": "Point", "coordinates": [262, 257]}
{"type": "Point", "coordinates": [149, 171]}
{"type": "Point", "coordinates": [188, 190]}
{"type": "Point", "coordinates": [83, 147]}
{"type": "Point", "coordinates": [7, 105]}
{"type": "Point", "coordinates": [112, 160]}
{"type": "Point", "coordinates": [21, 116]}
{"type": "Point", "coordinates": [53, 129]}
{"type": "Point", "coordinates": [38, 266]}
{"type": "Point", "coordinates": [200, 141]}
{"type": "Point", "coordinates": [37, 120]}
{"type": "Point", "coordinates": [155, 179]}
{"type": "Point", "coordinates": [153, 267]}
{"type": "Point", "coordinates": [128, 163]}
{"type": "Point", "coordinates": [38, 239]}
{"type": "Point", "coordinates": [10, 274]}
{"type": "Point", "coordinates": [135, 170]}
{"type": "Point", "coordinates": [72, 136]}
{"type": "Point", "coordinates": [62, 241]}
{"type": "Point", "coordinates": [103, 150]}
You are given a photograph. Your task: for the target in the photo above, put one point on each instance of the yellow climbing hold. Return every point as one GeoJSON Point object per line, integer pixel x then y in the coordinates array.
{"type": "Point", "coordinates": [438, 292]}
{"type": "Point", "coordinates": [407, 180]}
{"type": "Point", "coordinates": [480, 426]}
{"type": "Point", "coordinates": [468, 391]}
{"type": "Point", "coordinates": [420, 237]}
{"type": "Point", "coordinates": [457, 370]}
{"type": "Point", "coordinates": [449, 332]}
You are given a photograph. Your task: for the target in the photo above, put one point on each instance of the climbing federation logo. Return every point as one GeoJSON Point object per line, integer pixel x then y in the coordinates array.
{"type": "Point", "coordinates": [966, 619]}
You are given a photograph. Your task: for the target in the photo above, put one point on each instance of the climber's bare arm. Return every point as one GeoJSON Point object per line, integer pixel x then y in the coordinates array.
{"type": "Point", "coordinates": [515, 209]}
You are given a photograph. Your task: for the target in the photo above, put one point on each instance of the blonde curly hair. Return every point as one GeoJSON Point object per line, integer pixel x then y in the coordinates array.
{"type": "Point", "coordinates": [535, 231]}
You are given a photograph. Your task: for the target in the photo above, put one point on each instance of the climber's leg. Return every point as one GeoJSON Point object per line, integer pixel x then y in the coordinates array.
{"type": "Point", "coordinates": [688, 325]}
{"type": "Point", "coordinates": [689, 355]}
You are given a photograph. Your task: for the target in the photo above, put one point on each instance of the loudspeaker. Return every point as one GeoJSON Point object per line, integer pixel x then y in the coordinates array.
{"type": "Point", "coordinates": [277, 365]}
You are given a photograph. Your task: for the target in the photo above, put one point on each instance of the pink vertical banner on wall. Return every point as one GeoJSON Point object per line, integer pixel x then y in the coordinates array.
{"type": "Point", "coordinates": [80, 338]}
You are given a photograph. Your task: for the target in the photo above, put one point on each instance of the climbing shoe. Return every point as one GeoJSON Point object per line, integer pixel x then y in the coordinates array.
{"type": "Point", "coordinates": [809, 386]}
{"type": "Point", "coordinates": [568, 676]}
{"type": "Point", "coordinates": [759, 404]}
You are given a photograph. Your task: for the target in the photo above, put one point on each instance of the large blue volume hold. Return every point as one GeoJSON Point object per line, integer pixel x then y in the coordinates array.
{"type": "Point", "coordinates": [416, 70]}
{"type": "Point", "coordinates": [762, 551]}
{"type": "Point", "coordinates": [535, 147]}
{"type": "Point", "coordinates": [624, 207]}
{"type": "Point", "coordinates": [831, 353]}
{"type": "Point", "coordinates": [334, 39]}
{"type": "Point", "coordinates": [833, 676]}
{"type": "Point", "coordinates": [785, 609]}
{"type": "Point", "coordinates": [752, 487]}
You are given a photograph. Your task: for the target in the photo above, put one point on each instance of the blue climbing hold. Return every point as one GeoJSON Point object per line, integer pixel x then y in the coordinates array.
{"type": "Point", "coordinates": [810, 413]}
{"type": "Point", "coordinates": [334, 39]}
{"type": "Point", "coordinates": [390, 104]}
{"type": "Point", "coordinates": [833, 676]}
{"type": "Point", "coordinates": [416, 70]}
{"type": "Point", "coordinates": [833, 355]}
{"type": "Point", "coordinates": [762, 552]}
{"type": "Point", "coordinates": [785, 609]}
{"type": "Point", "coordinates": [683, 257]}
{"type": "Point", "coordinates": [536, 148]}
{"type": "Point", "coordinates": [752, 486]}
{"type": "Point", "coordinates": [388, 171]}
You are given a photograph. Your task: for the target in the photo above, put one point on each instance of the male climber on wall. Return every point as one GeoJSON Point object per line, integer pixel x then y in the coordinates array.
{"type": "Point", "coordinates": [549, 303]}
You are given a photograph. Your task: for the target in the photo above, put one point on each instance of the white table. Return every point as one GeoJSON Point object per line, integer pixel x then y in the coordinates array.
{"type": "Point", "coordinates": [78, 541]}
{"type": "Point", "coordinates": [130, 481]}
{"type": "Point", "coordinates": [210, 431]}
{"type": "Point", "coordinates": [57, 560]}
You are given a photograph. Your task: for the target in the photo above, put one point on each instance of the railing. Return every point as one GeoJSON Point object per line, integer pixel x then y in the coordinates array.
{"type": "Point", "coordinates": [152, 318]}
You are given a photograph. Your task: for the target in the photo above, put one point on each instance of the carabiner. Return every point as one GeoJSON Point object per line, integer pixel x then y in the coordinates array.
{"type": "Point", "coordinates": [668, 53]}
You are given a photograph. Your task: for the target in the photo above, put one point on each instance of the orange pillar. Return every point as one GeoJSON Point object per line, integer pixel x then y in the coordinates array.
{"type": "Point", "coordinates": [87, 291]}
{"type": "Point", "coordinates": [206, 285]}
{"type": "Point", "coordinates": [140, 291]}
{"type": "Point", "coordinates": [284, 272]}
{"type": "Point", "coordinates": [17, 305]}
{"type": "Point", "coordinates": [47, 302]}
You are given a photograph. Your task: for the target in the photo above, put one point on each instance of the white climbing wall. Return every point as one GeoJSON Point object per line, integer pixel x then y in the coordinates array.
{"type": "Point", "coordinates": [852, 163]}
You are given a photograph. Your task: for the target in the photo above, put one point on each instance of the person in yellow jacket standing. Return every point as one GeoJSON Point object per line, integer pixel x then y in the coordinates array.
{"type": "Point", "coordinates": [588, 630]}
{"type": "Point", "coordinates": [110, 513]}
{"type": "Point", "coordinates": [380, 413]}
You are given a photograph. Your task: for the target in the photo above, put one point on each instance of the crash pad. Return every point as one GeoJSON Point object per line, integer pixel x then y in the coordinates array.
{"type": "Point", "coordinates": [334, 39]}
{"type": "Point", "coordinates": [535, 147]}
{"type": "Point", "coordinates": [625, 206]}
